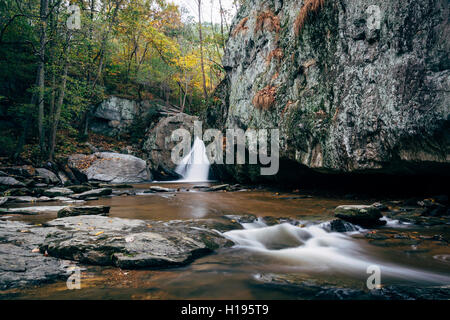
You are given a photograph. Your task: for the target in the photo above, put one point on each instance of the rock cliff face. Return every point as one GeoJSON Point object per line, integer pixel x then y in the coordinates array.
{"type": "Point", "coordinates": [115, 115]}
{"type": "Point", "coordinates": [354, 86]}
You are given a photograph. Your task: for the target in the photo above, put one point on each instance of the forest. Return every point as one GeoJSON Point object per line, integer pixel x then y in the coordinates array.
{"type": "Point", "coordinates": [59, 59]}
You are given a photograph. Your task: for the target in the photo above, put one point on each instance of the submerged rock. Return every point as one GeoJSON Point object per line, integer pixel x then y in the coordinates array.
{"type": "Point", "coordinates": [83, 210]}
{"type": "Point", "coordinates": [365, 216]}
{"type": "Point", "coordinates": [129, 243]}
{"type": "Point", "coordinates": [295, 284]}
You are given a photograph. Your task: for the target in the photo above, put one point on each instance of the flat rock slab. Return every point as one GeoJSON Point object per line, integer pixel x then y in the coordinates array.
{"type": "Point", "coordinates": [79, 188]}
{"type": "Point", "coordinates": [11, 182]}
{"type": "Point", "coordinates": [83, 210]}
{"type": "Point", "coordinates": [130, 243]}
{"type": "Point", "coordinates": [19, 265]}
{"type": "Point", "coordinates": [93, 193]}
{"type": "Point", "coordinates": [57, 192]}
{"type": "Point", "coordinates": [159, 189]}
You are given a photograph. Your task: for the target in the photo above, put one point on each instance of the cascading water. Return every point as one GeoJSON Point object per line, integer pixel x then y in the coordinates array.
{"type": "Point", "coordinates": [315, 249]}
{"type": "Point", "coordinates": [195, 166]}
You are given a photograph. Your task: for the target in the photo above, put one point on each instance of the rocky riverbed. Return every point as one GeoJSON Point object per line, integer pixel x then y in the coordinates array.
{"type": "Point", "coordinates": [141, 229]}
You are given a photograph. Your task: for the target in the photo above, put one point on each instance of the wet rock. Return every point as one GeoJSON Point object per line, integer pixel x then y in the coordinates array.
{"type": "Point", "coordinates": [23, 211]}
{"type": "Point", "coordinates": [56, 192]}
{"type": "Point", "coordinates": [219, 187]}
{"type": "Point", "coordinates": [338, 225]}
{"type": "Point", "coordinates": [129, 243]}
{"type": "Point", "coordinates": [380, 206]}
{"type": "Point", "coordinates": [79, 188]}
{"type": "Point", "coordinates": [304, 288]}
{"type": "Point", "coordinates": [22, 199]}
{"type": "Point", "coordinates": [365, 216]}
{"type": "Point", "coordinates": [3, 200]}
{"type": "Point", "coordinates": [248, 218]}
{"type": "Point", "coordinates": [93, 193]}
{"type": "Point", "coordinates": [83, 211]}
{"type": "Point", "coordinates": [111, 167]}
{"type": "Point", "coordinates": [11, 182]}
{"type": "Point", "coordinates": [159, 189]}
{"type": "Point", "coordinates": [49, 177]}
{"type": "Point", "coordinates": [20, 264]}
{"type": "Point", "coordinates": [18, 192]}
{"type": "Point", "coordinates": [123, 186]}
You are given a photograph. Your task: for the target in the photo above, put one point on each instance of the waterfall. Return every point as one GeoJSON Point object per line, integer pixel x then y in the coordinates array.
{"type": "Point", "coordinates": [195, 166]}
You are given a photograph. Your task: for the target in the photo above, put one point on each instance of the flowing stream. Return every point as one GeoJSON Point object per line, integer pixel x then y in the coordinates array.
{"type": "Point", "coordinates": [299, 250]}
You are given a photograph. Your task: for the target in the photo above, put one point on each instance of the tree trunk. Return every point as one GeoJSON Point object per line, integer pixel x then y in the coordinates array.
{"type": "Point", "coordinates": [205, 91]}
{"type": "Point", "coordinates": [41, 71]}
{"type": "Point", "coordinates": [59, 103]}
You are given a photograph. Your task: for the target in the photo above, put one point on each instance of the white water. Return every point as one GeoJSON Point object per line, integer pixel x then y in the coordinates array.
{"type": "Point", "coordinates": [314, 249]}
{"type": "Point", "coordinates": [195, 166]}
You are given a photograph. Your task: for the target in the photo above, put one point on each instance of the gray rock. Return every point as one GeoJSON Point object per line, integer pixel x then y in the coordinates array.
{"type": "Point", "coordinates": [111, 167]}
{"type": "Point", "coordinates": [115, 115]}
{"type": "Point", "coordinates": [19, 266]}
{"type": "Point", "coordinates": [365, 216]}
{"type": "Point", "coordinates": [159, 145]}
{"type": "Point", "coordinates": [56, 192]}
{"type": "Point", "coordinates": [83, 210]}
{"type": "Point", "coordinates": [93, 193]}
{"type": "Point", "coordinates": [11, 182]}
{"type": "Point", "coordinates": [219, 187]}
{"type": "Point", "coordinates": [3, 200]}
{"type": "Point", "coordinates": [49, 176]}
{"type": "Point", "coordinates": [160, 189]}
{"type": "Point", "coordinates": [22, 199]}
{"type": "Point", "coordinates": [79, 188]}
{"type": "Point", "coordinates": [129, 243]}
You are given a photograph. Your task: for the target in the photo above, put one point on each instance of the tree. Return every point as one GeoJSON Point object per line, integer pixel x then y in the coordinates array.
{"type": "Point", "coordinates": [200, 35]}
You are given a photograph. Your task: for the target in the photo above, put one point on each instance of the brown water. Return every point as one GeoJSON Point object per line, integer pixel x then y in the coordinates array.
{"type": "Point", "coordinates": [233, 273]}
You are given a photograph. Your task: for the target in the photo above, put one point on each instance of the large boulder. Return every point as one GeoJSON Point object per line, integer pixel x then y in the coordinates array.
{"type": "Point", "coordinates": [116, 115]}
{"type": "Point", "coordinates": [365, 216]}
{"type": "Point", "coordinates": [348, 94]}
{"type": "Point", "coordinates": [49, 177]}
{"type": "Point", "coordinates": [111, 167]}
{"type": "Point", "coordinates": [158, 145]}
{"type": "Point", "coordinates": [129, 243]}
